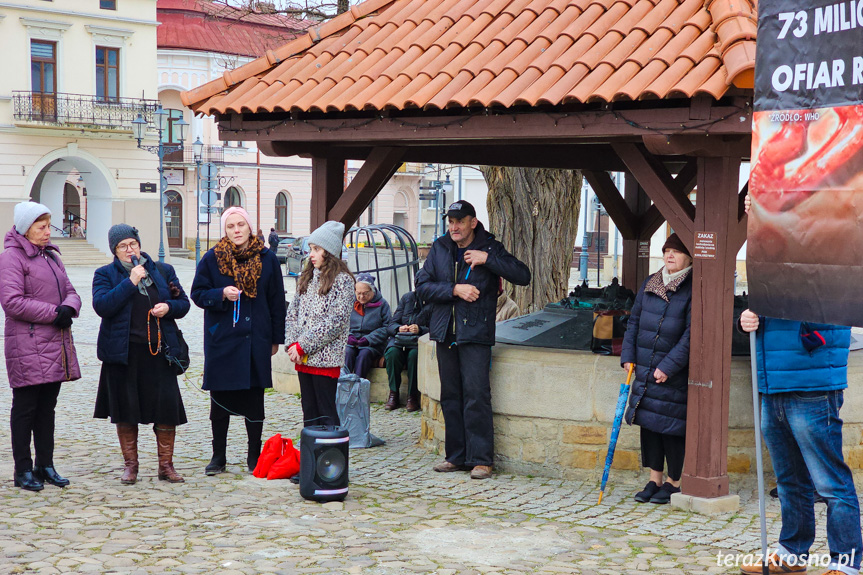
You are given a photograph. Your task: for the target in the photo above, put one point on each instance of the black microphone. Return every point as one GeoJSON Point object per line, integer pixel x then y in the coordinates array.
{"type": "Point", "coordinates": [135, 262]}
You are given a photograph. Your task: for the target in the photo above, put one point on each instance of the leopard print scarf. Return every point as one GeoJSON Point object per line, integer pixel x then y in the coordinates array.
{"type": "Point", "coordinates": [657, 286]}
{"type": "Point", "coordinates": [243, 265]}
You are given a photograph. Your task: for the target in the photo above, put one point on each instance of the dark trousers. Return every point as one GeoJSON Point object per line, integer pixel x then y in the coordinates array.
{"type": "Point", "coordinates": [33, 416]}
{"type": "Point", "coordinates": [465, 400]}
{"type": "Point", "coordinates": [360, 360]}
{"type": "Point", "coordinates": [657, 449]}
{"type": "Point", "coordinates": [397, 358]}
{"type": "Point", "coordinates": [318, 398]}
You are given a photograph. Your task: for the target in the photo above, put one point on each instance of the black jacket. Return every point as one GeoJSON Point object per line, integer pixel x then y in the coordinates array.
{"type": "Point", "coordinates": [657, 336]}
{"type": "Point", "coordinates": [409, 311]}
{"type": "Point", "coordinates": [273, 240]}
{"type": "Point", "coordinates": [474, 322]}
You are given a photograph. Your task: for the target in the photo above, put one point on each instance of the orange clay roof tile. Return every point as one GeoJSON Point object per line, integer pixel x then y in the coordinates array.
{"type": "Point", "coordinates": [398, 54]}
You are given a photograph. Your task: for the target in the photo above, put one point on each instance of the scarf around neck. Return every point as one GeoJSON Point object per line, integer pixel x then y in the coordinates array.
{"type": "Point", "coordinates": [243, 265]}
{"type": "Point", "coordinates": [657, 284]}
{"type": "Point", "coordinates": [144, 283]}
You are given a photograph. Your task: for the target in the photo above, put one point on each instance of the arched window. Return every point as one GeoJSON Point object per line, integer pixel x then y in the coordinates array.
{"type": "Point", "coordinates": [283, 209]}
{"type": "Point", "coordinates": [233, 198]}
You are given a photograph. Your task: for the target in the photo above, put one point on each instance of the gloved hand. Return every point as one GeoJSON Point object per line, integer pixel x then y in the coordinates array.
{"type": "Point", "coordinates": [64, 317]}
{"type": "Point", "coordinates": [352, 340]}
{"type": "Point", "coordinates": [362, 342]}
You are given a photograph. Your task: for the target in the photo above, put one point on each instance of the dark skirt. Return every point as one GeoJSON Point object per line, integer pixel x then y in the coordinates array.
{"type": "Point", "coordinates": [144, 391]}
{"type": "Point", "coordinates": [247, 403]}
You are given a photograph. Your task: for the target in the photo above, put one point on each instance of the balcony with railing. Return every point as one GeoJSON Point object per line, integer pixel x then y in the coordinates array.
{"type": "Point", "coordinates": [214, 154]}
{"type": "Point", "coordinates": [80, 111]}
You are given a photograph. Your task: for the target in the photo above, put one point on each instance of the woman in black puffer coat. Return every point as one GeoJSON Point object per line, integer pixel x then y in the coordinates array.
{"type": "Point", "coordinates": [657, 342]}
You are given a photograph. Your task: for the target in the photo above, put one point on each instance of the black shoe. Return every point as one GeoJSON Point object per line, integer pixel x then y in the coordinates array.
{"type": "Point", "coordinates": [216, 465]}
{"type": "Point", "coordinates": [48, 474]}
{"type": "Point", "coordinates": [817, 499]}
{"type": "Point", "coordinates": [663, 496]}
{"type": "Point", "coordinates": [649, 491]}
{"type": "Point", "coordinates": [252, 460]}
{"type": "Point", "coordinates": [26, 480]}
{"type": "Point", "coordinates": [774, 493]}
{"type": "Point", "coordinates": [295, 479]}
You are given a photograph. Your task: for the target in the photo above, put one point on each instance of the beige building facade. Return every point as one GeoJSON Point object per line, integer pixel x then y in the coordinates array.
{"type": "Point", "coordinates": [76, 73]}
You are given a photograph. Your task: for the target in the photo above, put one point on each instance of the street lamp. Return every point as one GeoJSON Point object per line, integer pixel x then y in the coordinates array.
{"type": "Point", "coordinates": [161, 118]}
{"type": "Point", "coordinates": [198, 151]}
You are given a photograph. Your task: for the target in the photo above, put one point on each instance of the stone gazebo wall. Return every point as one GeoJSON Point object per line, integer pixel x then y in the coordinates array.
{"type": "Point", "coordinates": [553, 411]}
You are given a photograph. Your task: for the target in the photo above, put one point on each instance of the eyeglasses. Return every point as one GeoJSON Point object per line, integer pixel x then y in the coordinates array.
{"type": "Point", "coordinates": [127, 247]}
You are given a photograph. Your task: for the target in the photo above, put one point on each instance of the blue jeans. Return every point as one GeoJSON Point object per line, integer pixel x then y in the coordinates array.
{"type": "Point", "coordinates": [803, 432]}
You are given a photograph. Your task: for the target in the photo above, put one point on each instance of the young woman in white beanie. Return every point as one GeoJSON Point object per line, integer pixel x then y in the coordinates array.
{"type": "Point", "coordinates": [317, 324]}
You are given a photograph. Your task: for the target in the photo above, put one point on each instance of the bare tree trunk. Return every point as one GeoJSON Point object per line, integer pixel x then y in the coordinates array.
{"type": "Point", "coordinates": [534, 213]}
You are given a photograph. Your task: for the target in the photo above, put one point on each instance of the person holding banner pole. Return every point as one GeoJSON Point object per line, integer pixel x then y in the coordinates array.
{"type": "Point", "coordinates": [802, 370]}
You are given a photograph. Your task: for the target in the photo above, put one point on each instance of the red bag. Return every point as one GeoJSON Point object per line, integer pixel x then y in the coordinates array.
{"type": "Point", "coordinates": [288, 464]}
{"type": "Point", "coordinates": [273, 449]}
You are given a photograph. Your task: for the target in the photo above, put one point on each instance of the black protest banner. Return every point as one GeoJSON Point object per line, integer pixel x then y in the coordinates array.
{"type": "Point", "coordinates": [805, 250]}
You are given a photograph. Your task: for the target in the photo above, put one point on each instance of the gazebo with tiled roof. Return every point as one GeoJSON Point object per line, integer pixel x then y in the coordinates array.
{"type": "Point", "coordinates": [649, 87]}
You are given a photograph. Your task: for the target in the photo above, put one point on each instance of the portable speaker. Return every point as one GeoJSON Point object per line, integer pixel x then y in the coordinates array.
{"type": "Point", "coordinates": [324, 463]}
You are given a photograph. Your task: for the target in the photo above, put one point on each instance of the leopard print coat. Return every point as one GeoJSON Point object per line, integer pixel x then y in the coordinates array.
{"type": "Point", "coordinates": [319, 323]}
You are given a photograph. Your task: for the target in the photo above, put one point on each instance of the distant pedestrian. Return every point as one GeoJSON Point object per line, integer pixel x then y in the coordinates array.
{"type": "Point", "coordinates": [409, 322]}
{"type": "Point", "coordinates": [460, 279]}
{"type": "Point", "coordinates": [77, 230]}
{"type": "Point", "coordinates": [240, 288]}
{"type": "Point", "coordinates": [317, 324]}
{"type": "Point", "coordinates": [261, 236]}
{"type": "Point", "coordinates": [367, 337]}
{"type": "Point", "coordinates": [273, 240]}
{"type": "Point", "coordinates": [40, 303]}
{"type": "Point", "coordinates": [135, 297]}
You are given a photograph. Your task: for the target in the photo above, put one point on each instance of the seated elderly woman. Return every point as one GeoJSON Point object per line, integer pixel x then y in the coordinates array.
{"type": "Point", "coordinates": [367, 336]}
{"type": "Point", "coordinates": [657, 343]}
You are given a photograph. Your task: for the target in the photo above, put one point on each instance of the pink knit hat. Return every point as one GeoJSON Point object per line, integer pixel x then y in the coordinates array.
{"type": "Point", "coordinates": [235, 210]}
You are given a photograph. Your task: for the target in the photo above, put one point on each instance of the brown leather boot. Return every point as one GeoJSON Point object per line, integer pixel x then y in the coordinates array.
{"type": "Point", "coordinates": [128, 436]}
{"type": "Point", "coordinates": [165, 447]}
{"type": "Point", "coordinates": [392, 401]}
{"type": "Point", "coordinates": [413, 403]}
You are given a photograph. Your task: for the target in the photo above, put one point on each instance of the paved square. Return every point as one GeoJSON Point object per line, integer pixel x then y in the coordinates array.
{"type": "Point", "coordinates": [399, 516]}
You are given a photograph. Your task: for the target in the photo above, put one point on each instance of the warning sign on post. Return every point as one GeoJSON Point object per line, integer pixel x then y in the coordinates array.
{"type": "Point", "coordinates": [705, 245]}
{"type": "Point", "coordinates": [644, 250]}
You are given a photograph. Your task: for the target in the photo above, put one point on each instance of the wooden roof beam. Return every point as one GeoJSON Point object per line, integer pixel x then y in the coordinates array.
{"type": "Point", "coordinates": [377, 170]}
{"type": "Point", "coordinates": [604, 188]}
{"type": "Point", "coordinates": [661, 188]}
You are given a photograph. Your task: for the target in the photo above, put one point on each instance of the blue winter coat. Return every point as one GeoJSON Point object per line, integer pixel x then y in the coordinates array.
{"type": "Point", "coordinates": [239, 356]}
{"type": "Point", "coordinates": [657, 336]}
{"type": "Point", "coordinates": [784, 364]}
{"type": "Point", "coordinates": [113, 293]}
{"type": "Point", "coordinates": [474, 321]}
{"type": "Point", "coordinates": [372, 325]}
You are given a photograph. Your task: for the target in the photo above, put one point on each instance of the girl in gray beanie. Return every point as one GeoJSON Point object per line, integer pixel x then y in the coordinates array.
{"type": "Point", "coordinates": [317, 324]}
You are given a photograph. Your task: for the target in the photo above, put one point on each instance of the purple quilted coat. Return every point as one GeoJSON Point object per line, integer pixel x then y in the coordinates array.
{"type": "Point", "coordinates": [33, 282]}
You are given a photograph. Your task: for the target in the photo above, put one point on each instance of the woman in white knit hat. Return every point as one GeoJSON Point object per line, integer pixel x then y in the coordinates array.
{"type": "Point", "coordinates": [317, 324]}
{"type": "Point", "coordinates": [40, 304]}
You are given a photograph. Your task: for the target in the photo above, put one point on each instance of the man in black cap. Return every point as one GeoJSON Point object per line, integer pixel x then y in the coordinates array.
{"type": "Point", "coordinates": [460, 279]}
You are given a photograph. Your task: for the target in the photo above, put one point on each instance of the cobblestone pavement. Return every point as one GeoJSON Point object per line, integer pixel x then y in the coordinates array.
{"type": "Point", "coordinates": [399, 517]}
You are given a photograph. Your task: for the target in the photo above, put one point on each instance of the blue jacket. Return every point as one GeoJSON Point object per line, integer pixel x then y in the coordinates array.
{"type": "Point", "coordinates": [657, 336]}
{"type": "Point", "coordinates": [784, 364]}
{"type": "Point", "coordinates": [372, 325]}
{"type": "Point", "coordinates": [474, 321]}
{"type": "Point", "coordinates": [113, 292]}
{"type": "Point", "coordinates": [239, 356]}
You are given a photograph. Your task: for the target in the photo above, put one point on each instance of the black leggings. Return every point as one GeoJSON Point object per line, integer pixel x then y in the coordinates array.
{"type": "Point", "coordinates": [657, 449]}
{"type": "Point", "coordinates": [318, 397]}
{"type": "Point", "coordinates": [33, 416]}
